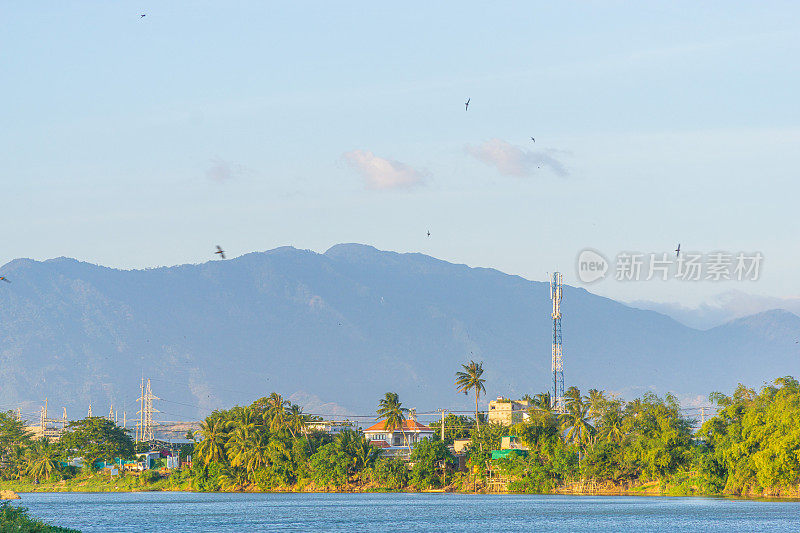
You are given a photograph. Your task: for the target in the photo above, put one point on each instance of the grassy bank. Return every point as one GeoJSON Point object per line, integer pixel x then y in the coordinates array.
{"type": "Point", "coordinates": [16, 519]}
{"type": "Point", "coordinates": [679, 486]}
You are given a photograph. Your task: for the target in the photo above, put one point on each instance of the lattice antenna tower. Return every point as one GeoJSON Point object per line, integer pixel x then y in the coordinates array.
{"type": "Point", "coordinates": [557, 355]}
{"type": "Point", "coordinates": [144, 428]}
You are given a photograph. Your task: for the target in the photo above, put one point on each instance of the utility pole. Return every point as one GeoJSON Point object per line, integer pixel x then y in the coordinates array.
{"type": "Point", "coordinates": [442, 411]}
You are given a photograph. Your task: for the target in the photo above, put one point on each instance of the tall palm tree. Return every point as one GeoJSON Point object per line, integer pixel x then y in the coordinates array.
{"type": "Point", "coordinates": [276, 411]}
{"type": "Point", "coordinates": [295, 419]}
{"type": "Point", "coordinates": [470, 379]}
{"type": "Point", "coordinates": [597, 401]}
{"type": "Point", "coordinates": [392, 411]}
{"type": "Point", "coordinates": [214, 431]}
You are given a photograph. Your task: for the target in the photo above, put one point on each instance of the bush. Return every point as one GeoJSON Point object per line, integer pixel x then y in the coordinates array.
{"type": "Point", "coordinates": [17, 519]}
{"type": "Point", "coordinates": [390, 473]}
{"type": "Point", "coordinates": [149, 476]}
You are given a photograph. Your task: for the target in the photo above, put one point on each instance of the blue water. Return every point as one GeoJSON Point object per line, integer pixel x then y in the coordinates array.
{"type": "Point", "coordinates": [178, 512]}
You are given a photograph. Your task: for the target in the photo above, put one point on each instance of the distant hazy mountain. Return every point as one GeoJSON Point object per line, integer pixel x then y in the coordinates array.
{"type": "Point", "coordinates": [337, 330]}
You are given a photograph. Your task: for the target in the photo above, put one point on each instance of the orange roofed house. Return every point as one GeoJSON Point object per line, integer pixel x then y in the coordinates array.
{"type": "Point", "coordinates": [400, 439]}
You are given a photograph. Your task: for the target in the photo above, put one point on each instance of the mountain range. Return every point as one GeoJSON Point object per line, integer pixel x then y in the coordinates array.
{"type": "Point", "coordinates": [335, 331]}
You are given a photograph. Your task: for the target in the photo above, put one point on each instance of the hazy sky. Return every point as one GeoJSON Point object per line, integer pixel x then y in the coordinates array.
{"type": "Point", "coordinates": [138, 142]}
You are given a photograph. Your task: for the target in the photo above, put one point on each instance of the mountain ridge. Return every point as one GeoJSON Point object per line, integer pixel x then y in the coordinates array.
{"type": "Point", "coordinates": [344, 327]}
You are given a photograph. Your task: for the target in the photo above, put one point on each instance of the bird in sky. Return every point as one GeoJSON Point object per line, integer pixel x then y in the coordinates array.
{"type": "Point", "coordinates": [220, 251]}
{"type": "Point", "coordinates": [534, 140]}
{"type": "Point", "coordinates": [466, 104]}
{"type": "Point", "coordinates": [143, 15]}
{"type": "Point", "coordinates": [3, 278]}
{"type": "Point", "coordinates": [429, 233]}
{"type": "Point", "coordinates": [678, 250]}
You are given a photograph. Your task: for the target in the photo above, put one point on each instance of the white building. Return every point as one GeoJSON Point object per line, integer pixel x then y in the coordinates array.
{"type": "Point", "coordinates": [331, 427]}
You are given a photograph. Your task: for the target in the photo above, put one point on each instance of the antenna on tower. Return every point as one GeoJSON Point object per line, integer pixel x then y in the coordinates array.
{"type": "Point", "coordinates": [557, 355]}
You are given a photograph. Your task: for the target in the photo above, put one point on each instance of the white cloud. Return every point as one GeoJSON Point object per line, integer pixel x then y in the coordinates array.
{"type": "Point", "coordinates": [221, 170]}
{"type": "Point", "coordinates": [513, 160]}
{"type": "Point", "coordinates": [382, 174]}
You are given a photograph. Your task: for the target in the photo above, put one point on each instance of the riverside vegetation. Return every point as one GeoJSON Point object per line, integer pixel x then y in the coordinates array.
{"type": "Point", "coordinates": [751, 447]}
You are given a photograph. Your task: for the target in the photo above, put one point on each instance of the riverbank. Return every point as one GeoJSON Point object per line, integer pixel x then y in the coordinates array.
{"type": "Point", "coordinates": [578, 488]}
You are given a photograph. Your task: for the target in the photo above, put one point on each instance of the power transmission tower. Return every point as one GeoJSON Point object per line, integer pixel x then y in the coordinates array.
{"type": "Point", "coordinates": [144, 429]}
{"type": "Point", "coordinates": [557, 355]}
{"type": "Point", "coordinates": [49, 427]}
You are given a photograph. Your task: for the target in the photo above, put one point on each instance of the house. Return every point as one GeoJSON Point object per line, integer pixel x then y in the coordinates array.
{"type": "Point", "coordinates": [507, 412]}
{"type": "Point", "coordinates": [331, 427]}
{"type": "Point", "coordinates": [460, 445]}
{"type": "Point", "coordinates": [397, 441]}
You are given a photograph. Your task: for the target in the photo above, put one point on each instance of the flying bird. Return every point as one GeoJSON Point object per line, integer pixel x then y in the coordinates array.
{"type": "Point", "coordinates": [534, 140]}
{"type": "Point", "coordinates": [466, 104]}
{"type": "Point", "coordinates": [143, 15]}
{"type": "Point", "coordinates": [429, 233]}
{"type": "Point", "coordinates": [3, 278]}
{"type": "Point", "coordinates": [678, 250]}
{"type": "Point", "coordinates": [220, 251]}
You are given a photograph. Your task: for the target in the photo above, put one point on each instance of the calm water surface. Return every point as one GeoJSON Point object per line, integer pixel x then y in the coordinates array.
{"type": "Point", "coordinates": [178, 512]}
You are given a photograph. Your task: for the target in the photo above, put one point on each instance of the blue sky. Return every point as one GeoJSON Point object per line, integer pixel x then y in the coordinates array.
{"type": "Point", "coordinates": [137, 142]}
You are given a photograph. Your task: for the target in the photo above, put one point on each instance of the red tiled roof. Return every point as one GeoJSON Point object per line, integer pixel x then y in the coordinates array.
{"type": "Point", "coordinates": [379, 443]}
{"type": "Point", "coordinates": [408, 425]}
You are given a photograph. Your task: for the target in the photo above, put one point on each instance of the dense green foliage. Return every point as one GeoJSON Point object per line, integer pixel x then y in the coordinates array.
{"type": "Point", "coordinates": [15, 519]}
{"type": "Point", "coordinates": [267, 446]}
{"type": "Point", "coordinates": [753, 444]}
{"type": "Point", "coordinates": [93, 439]}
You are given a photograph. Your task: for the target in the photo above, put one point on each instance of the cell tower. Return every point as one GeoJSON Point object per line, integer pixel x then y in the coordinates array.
{"type": "Point", "coordinates": [558, 357]}
{"type": "Point", "coordinates": [144, 427]}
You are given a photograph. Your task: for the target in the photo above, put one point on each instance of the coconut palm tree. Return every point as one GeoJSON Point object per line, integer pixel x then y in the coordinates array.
{"type": "Point", "coordinates": [295, 419]}
{"type": "Point", "coordinates": [542, 401]}
{"type": "Point", "coordinates": [392, 411]}
{"type": "Point", "coordinates": [42, 460]}
{"type": "Point", "coordinates": [365, 455]}
{"type": "Point", "coordinates": [470, 379]}
{"type": "Point", "coordinates": [576, 420]}
{"type": "Point", "coordinates": [276, 411]}
{"type": "Point", "coordinates": [214, 432]}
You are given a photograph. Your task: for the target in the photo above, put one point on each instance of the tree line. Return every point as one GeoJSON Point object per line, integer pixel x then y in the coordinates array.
{"type": "Point", "coordinates": [751, 446]}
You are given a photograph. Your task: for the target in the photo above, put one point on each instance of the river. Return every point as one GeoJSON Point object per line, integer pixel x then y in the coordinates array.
{"type": "Point", "coordinates": [197, 512]}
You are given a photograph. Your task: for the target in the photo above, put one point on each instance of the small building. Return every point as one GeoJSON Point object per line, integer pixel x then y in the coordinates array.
{"type": "Point", "coordinates": [507, 412]}
{"type": "Point", "coordinates": [397, 442]}
{"type": "Point", "coordinates": [460, 445]}
{"type": "Point", "coordinates": [148, 459]}
{"type": "Point", "coordinates": [331, 427]}
{"type": "Point", "coordinates": [511, 442]}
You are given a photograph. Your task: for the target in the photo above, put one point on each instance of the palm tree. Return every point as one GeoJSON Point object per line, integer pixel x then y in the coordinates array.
{"type": "Point", "coordinates": [597, 401]}
{"type": "Point", "coordinates": [470, 379]}
{"type": "Point", "coordinates": [364, 456]}
{"type": "Point", "coordinates": [42, 461]}
{"type": "Point", "coordinates": [392, 411]}
{"type": "Point", "coordinates": [212, 447]}
{"type": "Point", "coordinates": [296, 420]}
{"type": "Point", "coordinates": [276, 411]}
{"type": "Point", "coordinates": [542, 401]}
{"type": "Point", "coordinates": [576, 420]}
